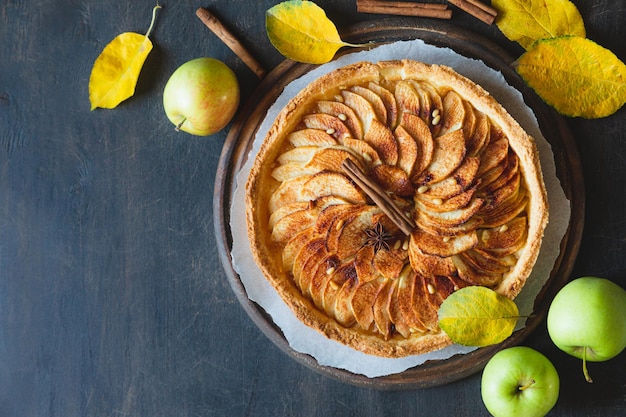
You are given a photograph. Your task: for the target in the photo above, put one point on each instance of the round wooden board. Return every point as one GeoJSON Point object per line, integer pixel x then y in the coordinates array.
{"type": "Point", "coordinates": [469, 44]}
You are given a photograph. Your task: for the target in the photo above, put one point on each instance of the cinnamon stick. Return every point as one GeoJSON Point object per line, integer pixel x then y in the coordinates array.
{"type": "Point", "coordinates": [230, 40]}
{"type": "Point", "coordinates": [483, 12]}
{"type": "Point", "coordinates": [484, 7]}
{"type": "Point", "coordinates": [404, 8]}
{"type": "Point", "coordinates": [379, 196]}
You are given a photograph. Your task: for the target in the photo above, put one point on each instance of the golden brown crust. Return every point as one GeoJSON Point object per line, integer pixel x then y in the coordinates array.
{"type": "Point", "coordinates": [397, 340]}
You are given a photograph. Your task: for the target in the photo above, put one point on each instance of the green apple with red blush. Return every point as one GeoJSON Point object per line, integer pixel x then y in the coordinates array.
{"type": "Point", "coordinates": [201, 96]}
{"type": "Point", "coordinates": [587, 319]}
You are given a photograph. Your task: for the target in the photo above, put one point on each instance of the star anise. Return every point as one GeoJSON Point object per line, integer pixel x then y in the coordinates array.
{"type": "Point", "coordinates": [377, 237]}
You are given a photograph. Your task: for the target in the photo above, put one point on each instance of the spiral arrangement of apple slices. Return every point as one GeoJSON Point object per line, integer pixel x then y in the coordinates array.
{"type": "Point", "coordinates": [447, 166]}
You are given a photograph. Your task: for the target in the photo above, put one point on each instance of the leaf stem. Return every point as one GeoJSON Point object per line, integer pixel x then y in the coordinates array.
{"type": "Point", "coordinates": [154, 10]}
{"type": "Point", "coordinates": [585, 371]}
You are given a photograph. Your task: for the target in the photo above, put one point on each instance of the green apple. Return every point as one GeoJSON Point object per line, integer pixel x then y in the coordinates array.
{"type": "Point", "coordinates": [587, 319]}
{"type": "Point", "coordinates": [519, 382]}
{"type": "Point", "coordinates": [201, 96]}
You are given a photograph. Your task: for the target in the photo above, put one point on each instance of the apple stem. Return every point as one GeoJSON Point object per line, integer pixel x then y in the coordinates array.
{"type": "Point", "coordinates": [585, 371]}
{"type": "Point", "coordinates": [178, 126]}
{"type": "Point", "coordinates": [527, 385]}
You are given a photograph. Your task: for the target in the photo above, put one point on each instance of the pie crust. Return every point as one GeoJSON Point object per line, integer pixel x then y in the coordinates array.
{"type": "Point", "coordinates": [450, 156]}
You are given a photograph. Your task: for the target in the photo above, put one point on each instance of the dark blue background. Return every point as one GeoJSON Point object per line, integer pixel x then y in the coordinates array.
{"type": "Point", "coordinates": [113, 301]}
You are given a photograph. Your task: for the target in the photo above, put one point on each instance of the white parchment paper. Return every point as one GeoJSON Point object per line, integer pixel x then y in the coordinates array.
{"type": "Point", "coordinates": [327, 352]}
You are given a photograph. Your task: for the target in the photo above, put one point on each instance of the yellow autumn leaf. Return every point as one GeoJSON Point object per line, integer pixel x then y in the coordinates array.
{"type": "Point", "coordinates": [477, 316]}
{"type": "Point", "coordinates": [527, 21]}
{"type": "Point", "coordinates": [301, 31]}
{"type": "Point", "coordinates": [116, 70]}
{"type": "Point", "coordinates": [576, 76]}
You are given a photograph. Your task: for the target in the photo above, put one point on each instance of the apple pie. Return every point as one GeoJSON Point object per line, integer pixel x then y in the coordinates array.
{"type": "Point", "coordinates": [448, 155]}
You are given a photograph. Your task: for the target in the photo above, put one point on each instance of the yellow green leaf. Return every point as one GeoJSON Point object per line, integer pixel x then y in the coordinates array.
{"type": "Point", "coordinates": [527, 21]}
{"type": "Point", "coordinates": [477, 316]}
{"type": "Point", "coordinates": [301, 31]}
{"type": "Point", "coordinates": [576, 76]}
{"type": "Point", "coordinates": [116, 70]}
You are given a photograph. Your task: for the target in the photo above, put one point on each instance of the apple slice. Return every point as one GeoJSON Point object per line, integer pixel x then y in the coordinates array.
{"type": "Point", "coordinates": [363, 299]}
{"type": "Point", "coordinates": [436, 108]}
{"type": "Point", "coordinates": [495, 153]}
{"type": "Point", "coordinates": [448, 155]}
{"type": "Point", "coordinates": [333, 214]}
{"type": "Point", "coordinates": [286, 210]}
{"type": "Point", "coordinates": [438, 289]}
{"type": "Point", "coordinates": [426, 264]}
{"type": "Point", "coordinates": [375, 100]}
{"type": "Point", "coordinates": [392, 179]}
{"type": "Point", "coordinates": [443, 246]}
{"type": "Point", "coordinates": [291, 170]}
{"type": "Point", "coordinates": [332, 125]}
{"type": "Point", "coordinates": [389, 263]}
{"type": "Point", "coordinates": [506, 212]}
{"type": "Point", "coordinates": [389, 102]}
{"type": "Point", "coordinates": [381, 308]}
{"type": "Point", "coordinates": [469, 122]}
{"type": "Point", "coordinates": [506, 239]}
{"type": "Point", "coordinates": [348, 235]}
{"type": "Point", "coordinates": [464, 177]}
{"type": "Point", "coordinates": [293, 247]}
{"type": "Point", "coordinates": [496, 198]}
{"type": "Point", "coordinates": [301, 154]}
{"type": "Point", "coordinates": [363, 108]}
{"type": "Point", "coordinates": [456, 202]}
{"type": "Point", "coordinates": [401, 311]}
{"type": "Point", "coordinates": [407, 150]}
{"type": "Point", "coordinates": [474, 276]}
{"type": "Point", "coordinates": [510, 170]}
{"type": "Point", "coordinates": [482, 263]}
{"type": "Point", "coordinates": [343, 113]}
{"type": "Point", "coordinates": [288, 191]}
{"type": "Point", "coordinates": [320, 275]}
{"type": "Point", "coordinates": [331, 158]}
{"type": "Point", "coordinates": [422, 307]}
{"type": "Point", "coordinates": [453, 113]}
{"type": "Point", "coordinates": [447, 231]}
{"type": "Point", "coordinates": [317, 206]}
{"type": "Point", "coordinates": [423, 138]}
{"type": "Point", "coordinates": [311, 137]}
{"type": "Point", "coordinates": [407, 98]}
{"type": "Point", "coordinates": [383, 141]}
{"type": "Point", "coordinates": [317, 260]}
{"type": "Point", "coordinates": [480, 135]}
{"type": "Point", "coordinates": [369, 154]}
{"type": "Point", "coordinates": [343, 308]}
{"type": "Point", "coordinates": [332, 183]}
{"type": "Point", "coordinates": [315, 248]}
{"type": "Point", "coordinates": [425, 102]}
{"type": "Point", "coordinates": [343, 274]}
{"type": "Point", "coordinates": [449, 218]}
